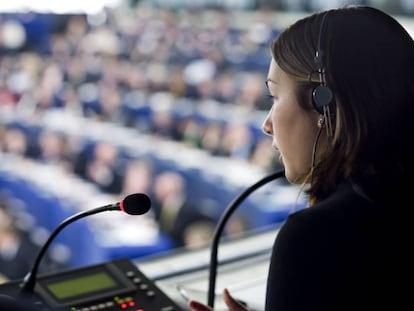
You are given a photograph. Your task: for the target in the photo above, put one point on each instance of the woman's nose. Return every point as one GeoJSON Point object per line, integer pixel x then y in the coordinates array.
{"type": "Point", "coordinates": [267, 127]}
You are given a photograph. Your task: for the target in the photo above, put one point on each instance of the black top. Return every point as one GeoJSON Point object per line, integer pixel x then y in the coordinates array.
{"type": "Point", "coordinates": [345, 253]}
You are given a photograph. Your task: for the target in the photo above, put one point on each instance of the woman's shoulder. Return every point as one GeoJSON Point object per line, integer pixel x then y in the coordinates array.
{"type": "Point", "coordinates": [347, 198]}
{"type": "Point", "coordinates": [335, 216]}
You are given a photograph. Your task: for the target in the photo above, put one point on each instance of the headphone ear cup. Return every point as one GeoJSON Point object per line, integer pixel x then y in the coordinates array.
{"type": "Point", "coordinates": [322, 96]}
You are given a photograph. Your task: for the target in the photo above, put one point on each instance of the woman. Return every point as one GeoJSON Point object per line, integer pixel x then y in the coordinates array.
{"type": "Point", "coordinates": [342, 89]}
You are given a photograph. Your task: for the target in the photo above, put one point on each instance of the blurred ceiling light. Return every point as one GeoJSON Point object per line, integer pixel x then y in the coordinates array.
{"type": "Point", "coordinates": [59, 7]}
{"type": "Point", "coordinates": [12, 35]}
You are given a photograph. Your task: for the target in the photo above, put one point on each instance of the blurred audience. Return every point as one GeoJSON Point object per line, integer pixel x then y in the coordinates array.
{"type": "Point", "coordinates": [18, 250]}
{"type": "Point", "coordinates": [192, 77]}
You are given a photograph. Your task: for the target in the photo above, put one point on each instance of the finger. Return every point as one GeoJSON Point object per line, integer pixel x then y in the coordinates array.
{"type": "Point", "coordinates": [198, 306]}
{"type": "Point", "coordinates": [232, 303]}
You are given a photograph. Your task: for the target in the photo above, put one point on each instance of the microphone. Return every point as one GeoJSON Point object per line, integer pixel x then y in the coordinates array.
{"type": "Point", "coordinates": [133, 204]}
{"type": "Point", "coordinates": [220, 226]}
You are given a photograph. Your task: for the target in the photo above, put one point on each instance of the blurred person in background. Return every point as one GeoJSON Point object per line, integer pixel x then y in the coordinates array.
{"type": "Point", "coordinates": [54, 148]}
{"type": "Point", "coordinates": [182, 220]}
{"type": "Point", "coordinates": [237, 141]}
{"type": "Point", "coordinates": [101, 166]}
{"type": "Point", "coordinates": [211, 138]}
{"type": "Point", "coordinates": [138, 176]}
{"type": "Point", "coordinates": [14, 141]}
{"type": "Point", "coordinates": [104, 170]}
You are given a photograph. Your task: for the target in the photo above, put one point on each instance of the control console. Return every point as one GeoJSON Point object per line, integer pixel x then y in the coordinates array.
{"type": "Point", "coordinates": [115, 285]}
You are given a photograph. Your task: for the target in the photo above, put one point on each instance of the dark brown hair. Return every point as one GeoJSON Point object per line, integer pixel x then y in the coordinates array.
{"type": "Point", "coordinates": [369, 60]}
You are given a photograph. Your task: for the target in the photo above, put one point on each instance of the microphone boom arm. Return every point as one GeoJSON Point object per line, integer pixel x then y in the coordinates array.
{"type": "Point", "coordinates": [220, 226]}
{"type": "Point", "coordinates": [29, 280]}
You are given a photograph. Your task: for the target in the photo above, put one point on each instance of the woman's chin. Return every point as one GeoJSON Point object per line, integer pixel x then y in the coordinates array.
{"type": "Point", "coordinates": [292, 177]}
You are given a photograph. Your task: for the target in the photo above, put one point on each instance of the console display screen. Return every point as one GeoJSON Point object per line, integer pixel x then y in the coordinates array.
{"type": "Point", "coordinates": [82, 285]}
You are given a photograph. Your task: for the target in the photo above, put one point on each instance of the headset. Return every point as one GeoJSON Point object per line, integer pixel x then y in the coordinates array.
{"type": "Point", "coordinates": [322, 95]}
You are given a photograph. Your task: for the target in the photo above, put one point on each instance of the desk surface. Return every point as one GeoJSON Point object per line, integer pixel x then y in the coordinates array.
{"type": "Point", "coordinates": [243, 268]}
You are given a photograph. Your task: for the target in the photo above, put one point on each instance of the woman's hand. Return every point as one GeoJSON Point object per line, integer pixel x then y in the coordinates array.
{"type": "Point", "coordinates": [232, 303]}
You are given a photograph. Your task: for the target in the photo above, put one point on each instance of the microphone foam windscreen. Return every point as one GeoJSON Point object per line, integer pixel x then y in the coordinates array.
{"type": "Point", "coordinates": [136, 204]}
